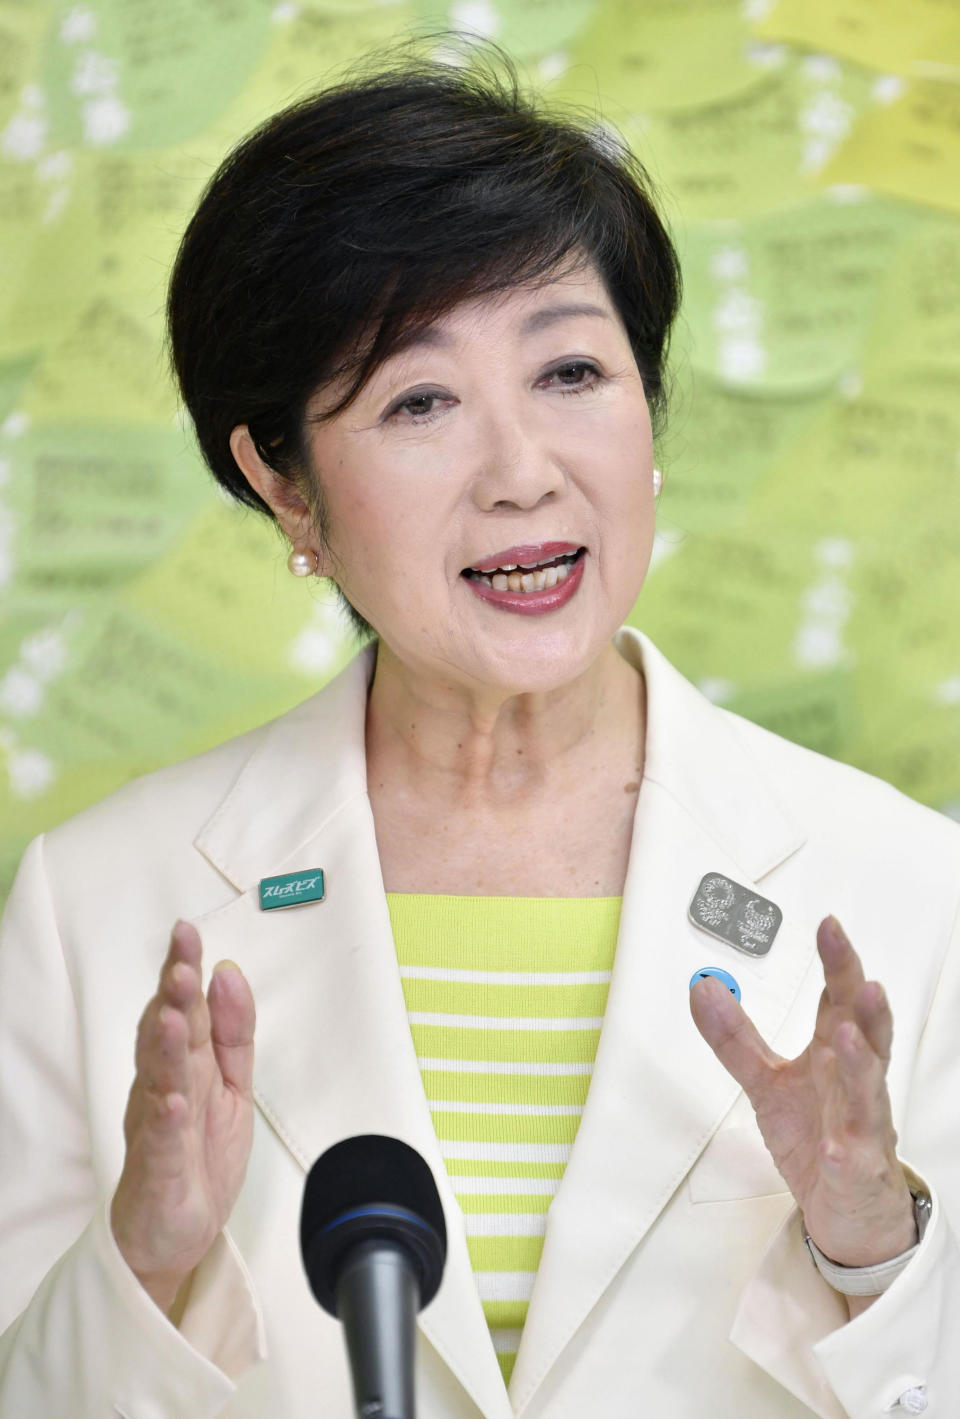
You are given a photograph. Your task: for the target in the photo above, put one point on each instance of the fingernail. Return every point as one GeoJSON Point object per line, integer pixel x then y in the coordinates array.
{"type": "Point", "coordinates": [838, 931]}
{"type": "Point", "coordinates": [225, 965]}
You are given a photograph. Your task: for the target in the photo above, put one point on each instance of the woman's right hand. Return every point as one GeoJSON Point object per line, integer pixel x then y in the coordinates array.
{"type": "Point", "coordinates": [189, 1119]}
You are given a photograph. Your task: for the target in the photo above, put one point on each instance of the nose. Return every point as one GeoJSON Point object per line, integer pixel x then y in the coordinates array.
{"type": "Point", "coordinates": [518, 465]}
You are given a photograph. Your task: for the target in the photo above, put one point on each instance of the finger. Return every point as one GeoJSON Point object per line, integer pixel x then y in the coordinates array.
{"type": "Point", "coordinates": [842, 971]}
{"type": "Point", "coordinates": [232, 1022]}
{"type": "Point", "coordinates": [873, 1015]}
{"type": "Point", "coordinates": [162, 1052]}
{"type": "Point", "coordinates": [184, 946]}
{"type": "Point", "coordinates": [181, 982]}
{"type": "Point", "coordinates": [153, 1125]}
{"type": "Point", "coordinates": [826, 1021]}
{"type": "Point", "coordinates": [165, 1028]}
{"type": "Point", "coordinates": [732, 1035]}
{"type": "Point", "coordinates": [181, 971]}
{"type": "Point", "coordinates": [863, 1106]}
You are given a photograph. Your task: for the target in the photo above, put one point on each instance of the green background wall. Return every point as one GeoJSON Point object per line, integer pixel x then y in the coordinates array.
{"type": "Point", "coordinates": [806, 567]}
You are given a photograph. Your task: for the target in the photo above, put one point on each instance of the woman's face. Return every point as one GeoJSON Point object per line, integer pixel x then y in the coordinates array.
{"type": "Point", "coordinates": [516, 430]}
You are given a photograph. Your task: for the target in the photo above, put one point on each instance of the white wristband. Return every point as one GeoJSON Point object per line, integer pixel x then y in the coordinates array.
{"type": "Point", "coordinates": [871, 1280]}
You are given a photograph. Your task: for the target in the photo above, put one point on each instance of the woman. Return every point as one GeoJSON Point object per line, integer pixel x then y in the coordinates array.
{"type": "Point", "coordinates": [423, 324]}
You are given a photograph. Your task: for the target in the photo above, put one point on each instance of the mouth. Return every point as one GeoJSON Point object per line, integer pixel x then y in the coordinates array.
{"type": "Point", "coordinates": [533, 586]}
{"type": "Point", "coordinates": [527, 570]}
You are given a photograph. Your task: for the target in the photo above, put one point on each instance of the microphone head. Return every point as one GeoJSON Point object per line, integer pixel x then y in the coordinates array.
{"type": "Point", "coordinates": [370, 1188]}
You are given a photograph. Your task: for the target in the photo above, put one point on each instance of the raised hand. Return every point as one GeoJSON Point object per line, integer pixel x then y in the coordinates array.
{"type": "Point", "coordinates": [189, 1119]}
{"type": "Point", "coordinates": [825, 1116]}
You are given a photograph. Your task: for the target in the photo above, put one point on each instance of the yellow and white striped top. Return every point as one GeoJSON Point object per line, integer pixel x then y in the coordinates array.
{"type": "Point", "coordinates": [505, 997]}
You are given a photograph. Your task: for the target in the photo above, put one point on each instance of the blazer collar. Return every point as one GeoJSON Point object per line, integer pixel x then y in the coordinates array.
{"type": "Point", "coordinates": [334, 1051]}
{"type": "Point", "coordinates": [695, 752]}
{"type": "Point", "coordinates": [312, 760]}
{"type": "Point", "coordinates": [307, 764]}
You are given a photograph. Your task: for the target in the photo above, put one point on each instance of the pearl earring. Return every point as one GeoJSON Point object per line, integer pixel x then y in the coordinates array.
{"type": "Point", "coordinates": [657, 482]}
{"type": "Point", "coordinates": [303, 563]}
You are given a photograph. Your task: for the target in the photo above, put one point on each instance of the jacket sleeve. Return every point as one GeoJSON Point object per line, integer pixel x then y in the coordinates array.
{"type": "Point", "coordinates": [901, 1355]}
{"type": "Point", "coordinates": [78, 1334]}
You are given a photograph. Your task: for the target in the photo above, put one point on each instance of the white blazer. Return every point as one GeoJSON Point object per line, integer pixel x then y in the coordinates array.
{"type": "Point", "coordinates": [674, 1281]}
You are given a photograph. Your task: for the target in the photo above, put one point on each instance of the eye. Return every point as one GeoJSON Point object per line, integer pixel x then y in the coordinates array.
{"type": "Point", "coordinates": [578, 369]}
{"type": "Point", "coordinates": [418, 407]}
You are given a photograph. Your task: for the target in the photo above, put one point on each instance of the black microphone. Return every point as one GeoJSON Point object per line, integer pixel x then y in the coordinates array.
{"type": "Point", "coordinates": [374, 1243]}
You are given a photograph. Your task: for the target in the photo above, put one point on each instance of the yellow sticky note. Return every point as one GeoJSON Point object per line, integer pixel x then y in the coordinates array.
{"type": "Point", "coordinates": [225, 589]}
{"type": "Point", "coordinates": [893, 35]}
{"type": "Point", "coordinates": [910, 149]}
{"type": "Point", "coordinates": [107, 366]}
{"type": "Point", "coordinates": [48, 242]}
{"type": "Point", "coordinates": [307, 49]}
{"type": "Point", "coordinates": [660, 55]}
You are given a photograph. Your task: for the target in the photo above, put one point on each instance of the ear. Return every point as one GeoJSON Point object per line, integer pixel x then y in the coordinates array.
{"type": "Point", "coordinates": [280, 495]}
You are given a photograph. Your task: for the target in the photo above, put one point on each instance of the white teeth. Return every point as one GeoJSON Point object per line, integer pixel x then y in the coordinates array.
{"type": "Point", "coordinates": [523, 566]}
{"type": "Point", "coordinates": [538, 579]}
{"type": "Point", "coordinates": [532, 566]}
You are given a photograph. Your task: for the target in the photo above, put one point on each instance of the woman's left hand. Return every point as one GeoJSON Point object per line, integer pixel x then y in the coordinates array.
{"type": "Point", "coordinates": [825, 1116]}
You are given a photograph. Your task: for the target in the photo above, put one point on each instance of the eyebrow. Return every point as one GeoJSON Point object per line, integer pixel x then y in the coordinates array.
{"type": "Point", "coordinates": [539, 320]}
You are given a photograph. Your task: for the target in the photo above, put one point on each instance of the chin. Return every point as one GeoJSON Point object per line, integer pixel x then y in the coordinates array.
{"type": "Point", "coordinates": [538, 660]}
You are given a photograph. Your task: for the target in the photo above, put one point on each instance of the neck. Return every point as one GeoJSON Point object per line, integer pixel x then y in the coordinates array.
{"type": "Point", "coordinates": [461, 746]}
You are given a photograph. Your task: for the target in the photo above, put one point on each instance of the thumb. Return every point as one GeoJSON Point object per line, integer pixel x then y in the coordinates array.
{"type": "Point", "coordinates": [232, 1020]}
{"type": "Point", "coordinates": [732, 1035]}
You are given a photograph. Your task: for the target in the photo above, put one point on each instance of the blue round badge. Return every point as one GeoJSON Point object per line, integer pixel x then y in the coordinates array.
{"type": "Point", "coordinates": [724, 976]}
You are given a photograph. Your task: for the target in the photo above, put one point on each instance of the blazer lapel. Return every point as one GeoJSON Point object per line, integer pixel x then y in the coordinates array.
{"type": "Point", "coordinates": [334, 1053]}
{"type": "Point", "coordinates": [657, 1093]}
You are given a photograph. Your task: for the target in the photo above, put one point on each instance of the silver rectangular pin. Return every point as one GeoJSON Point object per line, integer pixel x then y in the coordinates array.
{"type": "Point", "coordinates": [734, 914]}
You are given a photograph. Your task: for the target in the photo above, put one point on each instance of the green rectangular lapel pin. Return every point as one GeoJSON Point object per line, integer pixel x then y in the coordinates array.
{"type": "Point", "coordinates": [291, 890]}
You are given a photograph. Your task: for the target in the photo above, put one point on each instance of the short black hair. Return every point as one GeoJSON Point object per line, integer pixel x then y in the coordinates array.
{"type": "Point", "coordinates": [360, 214]}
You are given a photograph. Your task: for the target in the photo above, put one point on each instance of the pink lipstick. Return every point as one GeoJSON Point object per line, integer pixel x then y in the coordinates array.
{"type": "Point", "coordinates": [559, 563]}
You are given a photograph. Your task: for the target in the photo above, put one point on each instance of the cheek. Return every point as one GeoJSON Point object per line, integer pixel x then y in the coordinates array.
{"type": "Point", "coordinates": [622, 446]}
{"type": "Point", "coordinates": [359, 519]}
{"type": "Point", "coordinates": [626, 488]}
{"type": "Point", "coordinates": [378, 537]}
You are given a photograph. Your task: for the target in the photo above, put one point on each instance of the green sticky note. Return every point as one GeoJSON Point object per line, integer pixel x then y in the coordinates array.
{"type": "Point", "coordinates": [292, 889]}
{"type": "Point", "coordinates": [785, 300]}
{"type": "Point", "coordinates": [127, 77]}
{"type": "Point", "coordinates": [757, 149]}
{"type": "Point", "coordinates": [526, 29]}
